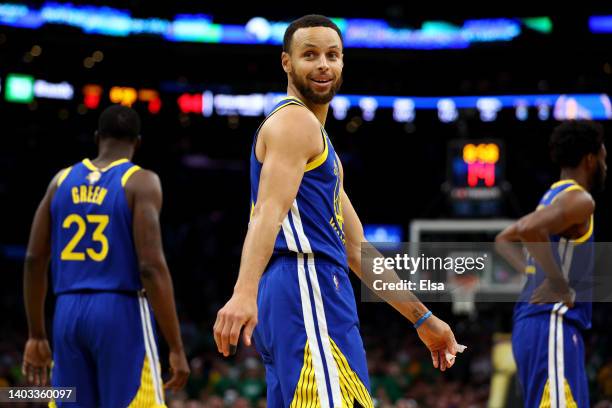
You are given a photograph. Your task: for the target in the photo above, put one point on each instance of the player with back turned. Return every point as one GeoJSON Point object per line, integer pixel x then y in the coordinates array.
{"type": "Point", "coordinates": [556, 303]}
{"type": "Point", "coordinates": [293, 294]}
{"type": "Point", "coordinates": [98, 227]}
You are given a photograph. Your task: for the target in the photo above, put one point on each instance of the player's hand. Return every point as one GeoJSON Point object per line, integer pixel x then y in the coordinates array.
{"type": "Point", "coordinates": [440, 340]}
{"type": "Point", "coordinates": [240, 311]}
{"type": "Point", "coordinates": [549, 292]}
{"type": "Point", "coordinates": [36, 361]}
{"type": "Point", "coordinates": [179, 369]}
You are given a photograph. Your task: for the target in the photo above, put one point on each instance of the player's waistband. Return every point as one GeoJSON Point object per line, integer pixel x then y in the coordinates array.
{"type": "Point", "coordinates": [291, 257]}
{"type": "Point", "coordinates": [540, 312]}
{"type": "Point", "coordinates": [88, 291]}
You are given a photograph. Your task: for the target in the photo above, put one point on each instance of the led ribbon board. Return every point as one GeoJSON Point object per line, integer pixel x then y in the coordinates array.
{"type": "Point", "coordinates": [357, 33]}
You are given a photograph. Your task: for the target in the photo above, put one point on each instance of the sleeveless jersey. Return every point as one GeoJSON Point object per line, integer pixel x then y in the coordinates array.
{"type": "Point", "coordinates": [575, 259]}
{"type": "Point", "coordinates": [92, 246]}
{"type": "Point", "coordinates": [314, 224]}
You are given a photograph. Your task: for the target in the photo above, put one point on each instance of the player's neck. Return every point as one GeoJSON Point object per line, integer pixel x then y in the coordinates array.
{"type": "Point", "coordinates": [319, 110]}
{"type": "Point", "coordinates": [113, 150]}
{"type": "Point", "coordinates": [577, 175]}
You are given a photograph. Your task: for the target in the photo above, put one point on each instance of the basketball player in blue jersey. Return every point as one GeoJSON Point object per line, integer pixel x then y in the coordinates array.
{"type": "Point", "coordinates": [293, 295]}
{"type": "Point", "coordinates": [555, 305]}
{"type": "Point", "coordinates": [98, 226]}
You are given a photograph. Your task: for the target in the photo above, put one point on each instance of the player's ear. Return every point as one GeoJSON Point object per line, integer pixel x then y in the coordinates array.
{"type": "Point", "coordinates": [138, 142]}
{"type": "Point", "coordinates": [592, 160]}
{"type": "Point", "coordinates": [286, 62]}
{"type": "Point", "coordinates": [97, 138]}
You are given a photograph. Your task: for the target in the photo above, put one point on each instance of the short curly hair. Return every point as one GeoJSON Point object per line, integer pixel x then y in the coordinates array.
{"type": "Point", "coordinates": [119, 122]}
{"type": "Point", "coordinates": [310, 20]}
{"type": "Point", "coordinates": [574, 139]}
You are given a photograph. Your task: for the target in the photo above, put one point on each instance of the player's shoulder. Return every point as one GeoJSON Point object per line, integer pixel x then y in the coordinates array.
{"type": "Point", "coordinates": [292, 128]}
{"type": "Point", "coordinates": [293, 116]}
{"type": "Point", "coordinates": [141, 178]}
{"type": "Point", "coordinates": [576, 197]}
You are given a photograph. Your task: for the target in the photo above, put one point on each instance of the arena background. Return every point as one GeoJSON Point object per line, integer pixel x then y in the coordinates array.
{"type": "Point", "coordinates": [395, 171]}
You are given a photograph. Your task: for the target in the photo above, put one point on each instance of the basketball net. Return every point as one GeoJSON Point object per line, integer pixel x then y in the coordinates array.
{"type": "Point", "coordinates": [463, 292]}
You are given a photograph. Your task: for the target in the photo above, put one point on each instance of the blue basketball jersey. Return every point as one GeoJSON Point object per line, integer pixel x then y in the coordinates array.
{"type": "Point", "coordinates": [314, 224]}
{"type": "Point", "coordinates": [575, 258]}
{"type": "Point", "coordinates": [92, 246]}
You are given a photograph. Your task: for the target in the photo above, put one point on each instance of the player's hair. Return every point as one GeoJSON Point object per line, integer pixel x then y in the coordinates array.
{"type": "Point", "coordinates": [119, 122]}
{"type": "Point", "coordinates": [574, 139]}
{"type": "Point", "coordinates": [310, 20]}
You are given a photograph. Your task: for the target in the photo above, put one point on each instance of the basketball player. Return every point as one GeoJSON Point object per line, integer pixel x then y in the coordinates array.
{"type": "Point", "coordinates": [98, 225]}
{"type": "Point", "coordinates": [555, 305]}
{"type": "Point", "coordinates": [305, 234]}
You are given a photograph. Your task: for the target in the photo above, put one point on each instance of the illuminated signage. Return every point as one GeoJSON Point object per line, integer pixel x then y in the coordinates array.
{"type": "Point", "coordinates": [19, 88]}
{"type": "Point", "coordinates": [245, 105]}
{"type": "Point", "coordinates": [357, 32]}
{"type": "Point", "coordinates": [475, 170]}
{"type": "Point", "coordinates": [190, 103]}
{"type": "Point", "coordinates": [124, 95]}
{"type": "Point", "coordinates": [127, 96]}
{"type": "Point", "coordinates": [151, 97]}
{"type": "Point", "coordinates": [44, 89]}
{"type": "Point", "coordinates": [481, 160]}
{"type": "Point", "coordinates": [92, 95]}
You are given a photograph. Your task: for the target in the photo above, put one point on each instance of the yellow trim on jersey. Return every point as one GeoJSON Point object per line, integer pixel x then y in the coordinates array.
{"type": "Point", "coordinates": [530, 269]}
{"type": "Point", "coordinates": [570, 188]}
{"type": "Point", "coordinates": [128, 174]}
{"type": "Point", "coordinates": [563, 182]}
{"type": "Point", "coordinates": [91, 166]}
{"type": "Point", "coordinates": [306, 394]}
{"type": "Point", "coordinates": [578, 187]}
{"type": "Point", "coordinates": [295, 98]}
{"type": "Point", "coordinates": [63, 176]}
{"type": "Point", "coordinates": [320, 159]}
{"type": "Point", "coordinates": [351, 387]}
{"type": "Point", "coordinates": [588, 234]}
{"type": "Point", "coordinates": [145, 396]}
{"type": "Point", "coordinates": [569, 397]}
{"type": "Point", "coordinates": [290, 101]}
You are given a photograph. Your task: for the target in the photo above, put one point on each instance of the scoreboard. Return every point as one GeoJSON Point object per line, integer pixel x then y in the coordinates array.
{"type": "Point", "coordinates": [475, 177]}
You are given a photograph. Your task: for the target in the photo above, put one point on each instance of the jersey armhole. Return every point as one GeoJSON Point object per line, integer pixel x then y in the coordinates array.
{"type": "Point", "coordinates": [582, 239]}
{"type": "Point", "coordinates": [587, 235]}
{"type": "Point", "coordinates": [320, 159]}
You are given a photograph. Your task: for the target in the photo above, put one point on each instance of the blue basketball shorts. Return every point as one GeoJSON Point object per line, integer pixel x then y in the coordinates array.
{"type": "Point", "coordinates": [308, 335]}
{"type": "Point", "coordinates": [104, 346]}
{"type": "Point", "coordinates": [549, 353]}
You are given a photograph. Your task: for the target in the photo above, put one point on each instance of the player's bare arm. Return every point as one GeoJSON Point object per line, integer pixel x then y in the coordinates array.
{"type": "Point", "coordinates": [568, 216]}
{"type": "Point", "coordinates": [436, 334]}
{"type": "Point", "coordinates": [37, 354]}
{"type": "Point", "coordinates": [145, 197]}
{"type": "Point", "coordinates": [287, 141]}
{"type": "Point", "coordinates": [505, 245]}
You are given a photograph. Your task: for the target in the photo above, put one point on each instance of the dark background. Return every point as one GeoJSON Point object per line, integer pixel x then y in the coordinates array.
{"type": "Point", "coordinates": [393, 171]}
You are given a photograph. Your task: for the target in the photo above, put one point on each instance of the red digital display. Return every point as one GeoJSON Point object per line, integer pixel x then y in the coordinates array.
{"type": "Point", "coordinates": [190, 103]}
{"type": "Point", "coordinates": [481, 161]}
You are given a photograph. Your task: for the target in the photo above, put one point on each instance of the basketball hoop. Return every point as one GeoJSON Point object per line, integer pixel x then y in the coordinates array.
{"type": "Point", "coordinates": [463, 291]}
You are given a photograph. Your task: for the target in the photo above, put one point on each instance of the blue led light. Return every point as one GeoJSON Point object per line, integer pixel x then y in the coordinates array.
{"type": "Point", "coordinates": [600, 24]}
{"type": "Point", "coordinates": [357, 33]}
